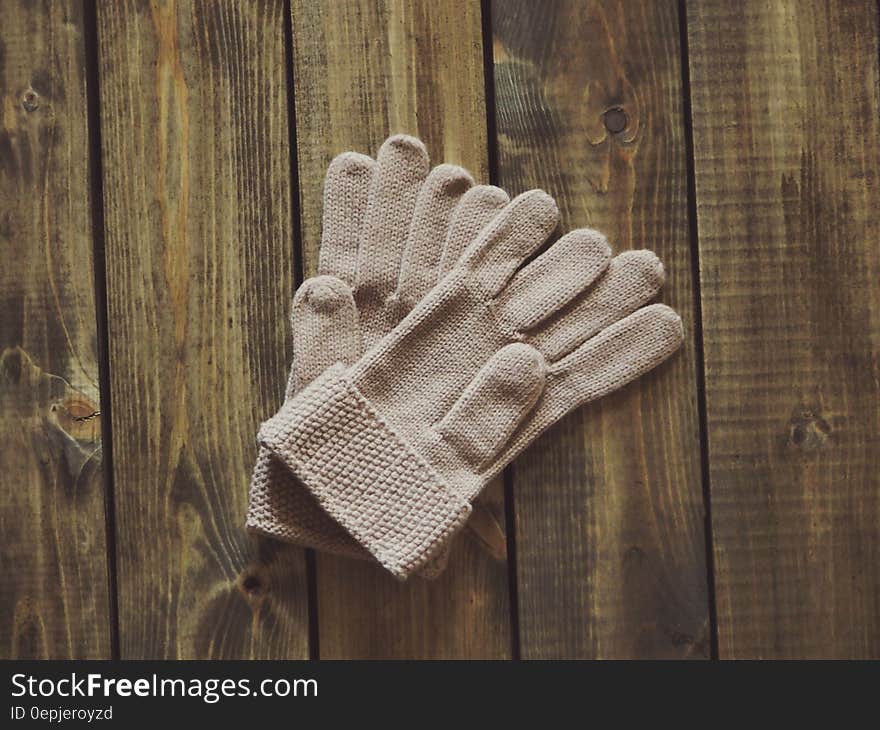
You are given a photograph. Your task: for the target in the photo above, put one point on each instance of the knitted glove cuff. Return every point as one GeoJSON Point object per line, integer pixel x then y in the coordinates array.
{"type": "Point", "coordinates": [363, 473]}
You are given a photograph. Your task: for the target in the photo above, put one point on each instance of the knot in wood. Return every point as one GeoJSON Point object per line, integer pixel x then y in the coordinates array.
{"type": "Point", "coordinates": [808, 430]}
{"type": "Point", "coordinates": [252, 585]}
{"type": "Point", "coordinates": [30, 100]}
{"type": "Point", "coordinates": [615, 120]}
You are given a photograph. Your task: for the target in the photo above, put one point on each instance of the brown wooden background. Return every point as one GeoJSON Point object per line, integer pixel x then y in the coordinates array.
{"type": "Point", "coordinates": [160, 175]}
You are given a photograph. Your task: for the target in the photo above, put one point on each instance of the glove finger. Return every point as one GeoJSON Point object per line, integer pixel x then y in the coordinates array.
{"type": "Point", "coordinates": [437, 200]}
{"type": "Point", "coordinates": [477, 207]}
{"type": "Point", "coordinates": [324, 319]}
{"type": "Point", "coordinates": [632, 279]}
{"type": "Point", "coordinates": [494, 404]}
{"type": "Point", "coordinates": [553, 279]}
{"type": "Point", "coordinates": [619, 354]}
{"type": "Point", "coordinates": [518, 231]}
{"type": "Point", "coordinates": [402, 168]}
{"type": "Point", "coordinates": [346, 188]}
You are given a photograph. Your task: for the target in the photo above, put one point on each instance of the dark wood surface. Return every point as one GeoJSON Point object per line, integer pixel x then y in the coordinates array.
{"type": "Point", "coordinates": [739, 141]}
{"type": "Point", "coordinates": [54, 598]}
{"type": "Point", "coordinates": [197, 201]}
{"type": "Point", "coordinates": [609, 529]}
{"type": "Point", "coordinates": [787, 145]}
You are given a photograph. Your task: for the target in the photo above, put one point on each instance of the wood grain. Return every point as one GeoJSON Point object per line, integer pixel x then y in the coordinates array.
{"type": "Point", "coordinates": [199, 280]}
{"type": "Point", "coordinates": [608, 504]}
{"type": "Point", "coordinates": [54, 597]}
{"type": "Point", "coordinates": [787, 144]}
{"type": "Point", "coordinates": [364, 70]}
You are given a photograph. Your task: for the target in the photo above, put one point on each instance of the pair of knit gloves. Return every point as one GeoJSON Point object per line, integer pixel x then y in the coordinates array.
{"type": "Point", "coordinates": [436, 343]}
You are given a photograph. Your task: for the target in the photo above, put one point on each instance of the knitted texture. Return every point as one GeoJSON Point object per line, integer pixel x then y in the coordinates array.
{"type": "Point", "coordinates": [496, 353]}
{"type": "Point", "coordinates": [362, 472]}
{"type": "Point", "coordinates": [391, 230]}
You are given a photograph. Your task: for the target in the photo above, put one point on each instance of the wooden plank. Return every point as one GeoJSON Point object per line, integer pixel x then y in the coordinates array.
{"type": "Point", "coordinates": [787, 144]}
{"type": "Point", "coordinates": [199, 279]}
{"type": "Point", "coordinates": [54, 596]}
{"type": "Point", "coordinates": [608, 504]}
{"type": "Point", "coordinates": [364, 69]}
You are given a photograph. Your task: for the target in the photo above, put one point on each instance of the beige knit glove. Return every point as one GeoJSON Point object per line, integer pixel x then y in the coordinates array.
{"type": "Point", "coordinates": [396, 447]}
{"type": "Point", "coordinates": [391, 229]}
